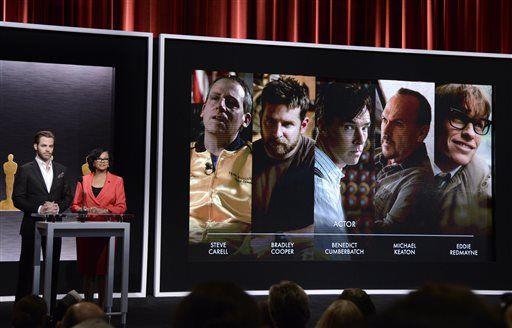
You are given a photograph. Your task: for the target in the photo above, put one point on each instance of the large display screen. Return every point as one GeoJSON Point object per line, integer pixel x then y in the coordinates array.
{"type": "Point", "coordinates": [331, 166]}
{"type": "Point", "coordinates": [327, 169]}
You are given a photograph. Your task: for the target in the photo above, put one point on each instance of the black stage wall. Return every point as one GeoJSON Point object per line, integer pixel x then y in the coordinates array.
{"type": "Point", "coordinates": [74, 101]}
{"type": "Point", "coordinates": [96, 94]}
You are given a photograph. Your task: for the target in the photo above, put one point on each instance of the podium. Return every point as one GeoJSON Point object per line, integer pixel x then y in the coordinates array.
{"type": "Point", "coordinates": [84, 229]}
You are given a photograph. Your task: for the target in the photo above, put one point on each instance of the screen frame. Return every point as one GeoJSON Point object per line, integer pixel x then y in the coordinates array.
{"type": "Point", "coordinates": [164, 38]}
{"type": "Point", "coordinates": [142, 293]}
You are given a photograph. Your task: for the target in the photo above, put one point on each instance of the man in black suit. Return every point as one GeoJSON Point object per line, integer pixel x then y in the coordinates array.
{"type": "Point", "coordinates": [40, 186]}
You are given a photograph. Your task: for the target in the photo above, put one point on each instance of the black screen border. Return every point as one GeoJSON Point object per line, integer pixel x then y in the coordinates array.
{"type": "Point", "coordinates": [179, 55]}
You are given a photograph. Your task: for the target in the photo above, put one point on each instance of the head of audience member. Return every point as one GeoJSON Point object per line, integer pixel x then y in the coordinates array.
{"type": "Point", "coordinates": [438, 305]}
{"type": "Point", "coordinates": [288, 305]}
{"type": "Point", "coordinates": [284, 104]}
{"type": "Point", "coordinates": [93, 323]}
{"type": "Point", "coordinates": [217, 304]}
{"type": "Point", "coordinates": [72, 297]}
{"type": "Point", "coordinates": [506, 306]}
{"type": "Point", "coordinates": [341, 313]}
{"type": "Point", "coordinates": [227, 109]}
{"type": "Point", "coordinates": [265, 319]}
{"type": "Point", "coordinates": [405, 124]}
{"type": "Point", "coordinates": [44, 142]}
{"type": "Point", "coordinates": [361, 299]}
{"type": "Point", "coordinates": [343, 121]}
{"type": "Point", "coordinates": [100, 159]}
{"type": "Point", "coordinates": [30, 311]}
{"type": "Point", "coordinates": [462, 118]}
{"type": "Point", "coordinates": [508, 316]}
{"type": "Point", "coordinates": [80, 312]}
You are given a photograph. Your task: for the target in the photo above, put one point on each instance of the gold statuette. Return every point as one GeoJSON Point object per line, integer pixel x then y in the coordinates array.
{"type": "Point", "coordinates": [85, 168]}
{"type": "Point", "coordinates": [10, 168]}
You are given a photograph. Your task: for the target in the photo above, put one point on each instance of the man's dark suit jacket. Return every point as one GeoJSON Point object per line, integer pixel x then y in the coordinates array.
{"type": "Point", "coordinates": [30, 192]}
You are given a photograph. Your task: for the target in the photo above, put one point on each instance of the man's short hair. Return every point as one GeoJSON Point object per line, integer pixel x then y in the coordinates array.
{"type": "Point", "coordinates": [424, 109]}
{"type": "Point", "coordinates": [343, 101]}
{"type": "Point", "coordinates": [72, 297]}
{"type": "Point", "coordinates": [80, 312]}
{"type": "Point", "coordinates": [247, 102]}
{"type": "Point", "coordinates": [288, 305]}
{"type": "Point", "coordinates": [217, 304]}
{"type": "Point", "coordinates": [93, 323]}
{"type": "Point", "coordinates": [456, 95]}
{"type": "Point", "coordinates": [47, 134]}
{"type": "Point", "coordinates": [30, 311]}
{"type": "Point", "coordinates": [286, 91]}
{"type": "Point", "coordinates": [361, 299]}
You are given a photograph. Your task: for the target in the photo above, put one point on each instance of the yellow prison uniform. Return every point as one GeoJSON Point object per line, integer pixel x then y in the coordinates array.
{"type": "Point", "coordinates": [220, 199]}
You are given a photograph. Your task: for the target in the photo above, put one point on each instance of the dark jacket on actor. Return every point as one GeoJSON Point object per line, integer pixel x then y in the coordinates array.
{"type": "Point", "coordinates": [29, 193]}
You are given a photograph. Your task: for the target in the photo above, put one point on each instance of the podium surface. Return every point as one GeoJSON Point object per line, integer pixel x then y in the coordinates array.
{"type": "Point", "coordinates": [84, 229]}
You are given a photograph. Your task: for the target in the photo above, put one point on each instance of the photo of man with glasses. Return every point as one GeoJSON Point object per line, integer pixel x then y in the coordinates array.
{"type": "Point", "coordinates": [462, 178]}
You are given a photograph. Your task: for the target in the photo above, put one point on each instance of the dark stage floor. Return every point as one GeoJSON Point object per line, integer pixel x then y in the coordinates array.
{"type": "Point", "coordinates": [157, 312]}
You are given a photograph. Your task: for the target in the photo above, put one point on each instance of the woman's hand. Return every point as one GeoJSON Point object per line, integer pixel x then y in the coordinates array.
{"type": "Point", "coordinates": [97, 210]}
{"type": "Point", "coordinates": [103, 211]}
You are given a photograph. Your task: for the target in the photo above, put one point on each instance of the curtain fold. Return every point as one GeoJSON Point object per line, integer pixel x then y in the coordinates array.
{"type": "Point", "coordinates": [462, 25]}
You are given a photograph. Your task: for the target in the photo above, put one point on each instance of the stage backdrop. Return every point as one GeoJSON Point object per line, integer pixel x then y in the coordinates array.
{"type": "Point", "coordinates": [75, 102]}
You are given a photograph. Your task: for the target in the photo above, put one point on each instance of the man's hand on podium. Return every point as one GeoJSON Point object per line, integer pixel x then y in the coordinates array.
{"type": "Point", "coordinates": [49, 208]}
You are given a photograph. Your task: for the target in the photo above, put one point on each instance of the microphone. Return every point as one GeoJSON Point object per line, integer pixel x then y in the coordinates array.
{"type": "Point", "coordinates": [209, 168]}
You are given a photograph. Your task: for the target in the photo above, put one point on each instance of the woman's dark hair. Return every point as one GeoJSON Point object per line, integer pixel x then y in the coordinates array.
{"type": "Point", "coordinates": [95, 154]}
{"type": "Point", "coordinates": [360, 299]}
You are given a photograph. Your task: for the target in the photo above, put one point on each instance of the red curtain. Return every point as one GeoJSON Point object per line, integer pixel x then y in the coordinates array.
{"type": "Point", "coordinates": [463, 25]}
